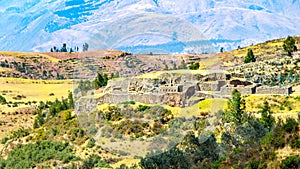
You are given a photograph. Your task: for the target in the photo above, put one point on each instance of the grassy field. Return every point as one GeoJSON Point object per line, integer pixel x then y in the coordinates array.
{"type": "Point", "coordinates": [155, 75]}
{"type": "Point", "coordinates": [24, 54]}
{"type": "Point", "coordinates": [25, 90]}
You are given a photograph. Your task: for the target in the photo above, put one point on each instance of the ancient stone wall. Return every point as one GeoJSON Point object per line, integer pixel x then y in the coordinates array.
{"type": "Point", "coordinates": [211, 86]}
{"type": "Point", "coordinates": [274, 90]}
{"type": "Point", "coordinates": [169, 89]}
{"type": "Point", "coordinates": [244, 90]}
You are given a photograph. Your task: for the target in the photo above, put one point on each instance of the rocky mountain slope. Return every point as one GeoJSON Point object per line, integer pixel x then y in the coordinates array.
{"type": "Point", "coordinates": [39, 24]}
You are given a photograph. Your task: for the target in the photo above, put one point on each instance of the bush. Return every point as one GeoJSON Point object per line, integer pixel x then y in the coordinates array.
{"type": "Point", "coordinates": [2, 100]}
{"type": "Point", "coordinates": [290, 125]}
{"type": "Point", "coordinates": [4, 140]}
{"type": "Point", "coordinates": [91, 143]}
{"type": "Point", "coordinates": [130, 102]}
{"type": "Point", "coordinates": [29, 155]}
{"type": "Point", "coordinates": [291, 162]}
{"type": "Point", "coordinates": [295, 144]}
{"type": "Point", "coordinates": [142, 108]}
{"type": "Point", "coordinates": [94, 161]}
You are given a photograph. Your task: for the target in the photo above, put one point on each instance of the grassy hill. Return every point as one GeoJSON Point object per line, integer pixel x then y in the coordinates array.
{"type": "Point", "coordinates": [40, 129]}
{"type": "Point", "coordinates": [263, 51]}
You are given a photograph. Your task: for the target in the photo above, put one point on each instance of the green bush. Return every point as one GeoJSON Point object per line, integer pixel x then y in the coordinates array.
{"type": "Point", "coordinates": [290, 125]}
{"type": "Point", "coordinates": [95, 161]}
{"type": "Point", "coordinates": [91, 143]}
{"type": "Point", "coordinates": [142, 108]}
{"type": "Point", "coordinates": [291, 162]}
{"type": "Point", "coordinates": [29, 155]}
{"type": "Point", "coordinates": [4, 140]}
{"type": "Point", "coordinates": [295, 144]}
{"type": "Point", "coordinates": [2, 100]}
{"type": "Point", "coordinates": [130, 102]}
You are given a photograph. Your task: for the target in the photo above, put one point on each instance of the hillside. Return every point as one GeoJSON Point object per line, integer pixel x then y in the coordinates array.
{"type": "Point", "coordinates": [47, 121]}
{"type": "Point", "coordinates": [263, 51]}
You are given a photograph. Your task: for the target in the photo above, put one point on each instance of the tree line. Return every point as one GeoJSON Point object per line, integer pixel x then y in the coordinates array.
{"type": "Point", "coordinates": [64, 48]}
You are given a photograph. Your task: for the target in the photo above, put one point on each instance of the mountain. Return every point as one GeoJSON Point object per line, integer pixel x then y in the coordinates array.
{"type": "Point", "coordinates": [143, 25]}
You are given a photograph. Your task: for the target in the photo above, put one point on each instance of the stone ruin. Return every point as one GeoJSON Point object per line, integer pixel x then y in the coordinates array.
{"type": "Point", "coordinates": [181, 90]}
{"type": "Point", "coordinates": [247, 88]}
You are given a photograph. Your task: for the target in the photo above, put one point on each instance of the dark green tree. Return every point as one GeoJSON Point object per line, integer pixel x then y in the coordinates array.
{"type": "Point", "coordinates": [64, 48]}
{"type": "Point", "coordinates": [289, 45]}
{"type": "Point", "coordinates": [100, 80]}
{"type": "Point", "coordinates": [235, 110]}
{"type": "Point", "coordinates": [71, 100]}
{"type": "Point", "coordinates": [222, 50]}
{"type": "Point", "coordinates": [266, 116]}
{"type": "Point", "coordinates": [250, 57]}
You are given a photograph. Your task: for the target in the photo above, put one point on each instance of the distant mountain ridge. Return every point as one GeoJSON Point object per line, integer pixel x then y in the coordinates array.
{"type": "Point", "coordinates": [39, 24]}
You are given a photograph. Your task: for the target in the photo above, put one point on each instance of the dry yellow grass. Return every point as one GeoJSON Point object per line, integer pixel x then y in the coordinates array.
{"type": "Point", "coordinates": [255, 102]}
{"type": "Point", "coordinates": [24, 54]}
{"type": "Point", "coordinates": [127, 162]}
{"type": "Point", "coordinates": [155, 75]}
{"type": "Point", "coordinates": [33, 90]}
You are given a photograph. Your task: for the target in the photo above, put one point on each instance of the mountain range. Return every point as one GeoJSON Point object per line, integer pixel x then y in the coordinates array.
{"type": "Point", "coordinates": [145, 25]}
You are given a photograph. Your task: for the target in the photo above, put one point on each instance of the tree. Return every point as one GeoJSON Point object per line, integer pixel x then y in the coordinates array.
{"type": "Point", "coordinates": [222, 50]}
{"type": "Point", "coordinates": [105, 79]}
{"type": "Point", "coordinates": [85, 47]}
{"type": "Point", "coordinates": [235, 109]}
{"type": "Point", "coordinates": [194, 66]}
{"type": "Point", "coordinates": [266, 116]}
{"type": "Point", "coordinates": [100, 81]}
{"type": "Point", "coordinates": [289, 45]}
{"type": "Point", "coordinates": [71, 100]}
{"type": "Point", "coordinates": [64, 48]}
{"type": "Point", "coordinates": [54, 49]}
{"type": "Point", "coordinates": [51, 50]}
{"type": "Point", "coordinates": [250, 57]}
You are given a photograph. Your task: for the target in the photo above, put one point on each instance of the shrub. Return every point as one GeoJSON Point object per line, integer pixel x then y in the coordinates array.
{"type": "Point", "coordinates": [290, 125]}
{"type": "Point", "coordinates": [142, 108]}
{"type": "Point", "coordinates": [4, 140]}
{"type": "Point", "coordinates": [2, 100]}
{"type": "Point", "coordinates": [295, 144]}
{"type": "Point", "coordinates": [28, 155]}
{"type": "Point", "coordinates": [130, 102]}
{"type": "Point", "coordinates": [91, 143]}
{"type": "Point", "coordinates": [291, 162]}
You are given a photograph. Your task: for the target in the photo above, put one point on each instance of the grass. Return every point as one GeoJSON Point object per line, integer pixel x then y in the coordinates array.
{"type": "Point", "coordinates": [24, 54]}
{"type": "Point", "coordinates": [155, 75]}
{"type": "Point", "coordinates": [33, 90]}
{"type": "Point", "coordinates": [127, 162]}
{"type": "Point", "coordinates": [281, 106]}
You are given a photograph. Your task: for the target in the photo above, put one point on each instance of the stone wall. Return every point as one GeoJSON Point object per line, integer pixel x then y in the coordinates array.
{"type": "Point", "coordinates": [287, 90]}
{"type": "Point", "coordinates": [169, 89]}
{"type": "Point", "coordinates": [244, 90]}
{"type": "Point", "coordinates": [211, 86]}
{"type": "Point", "coordinates": [172, 99]}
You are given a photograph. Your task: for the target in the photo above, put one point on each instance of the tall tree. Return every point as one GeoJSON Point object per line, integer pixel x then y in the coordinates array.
{"type": "Point", "coordinates": [99, 81]}
{"type": "Point", "coordinates": [222, 50]}
{"type": "Point", "coordinates": [250, 57]}
{"type": "Point", "coordinates": [71, 100]}
{"type": "Point", "coordinates": [235, 110]}
{"type": "Point", "coordinates": [266, 116]}
{"type": "Point", "coordinates": [85, 47]}
{"type": "Point", "coordinates": [289, 45]}
{"type": "Point", "coordinates": [64, 48]}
